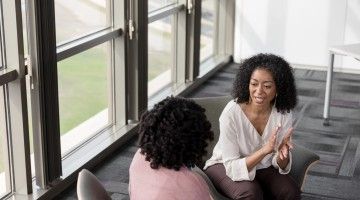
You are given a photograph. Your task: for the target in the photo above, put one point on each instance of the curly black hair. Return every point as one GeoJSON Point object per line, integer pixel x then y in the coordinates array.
{"type": "Point", "coordinates": [283, 76]}
{"type": "Point", "coordinates": [174, 133]}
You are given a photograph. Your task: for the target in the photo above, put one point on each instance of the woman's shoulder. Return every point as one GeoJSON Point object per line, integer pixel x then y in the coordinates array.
{"type": "Point", "coordinates": [230, 107]}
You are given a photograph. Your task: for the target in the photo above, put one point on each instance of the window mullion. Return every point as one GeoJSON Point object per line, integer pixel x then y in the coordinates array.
{"type": "Point", "coordinates": [165, 12]}
{"type": "Point", "coordinates": [85, 43]}
{"type": "Point", "coordinates": [118, 67]}
{"type": "Point", "coordinates": [224, 32]}
{"type": "Point", "coordinates": [180, 48]}
{"type": "Point", "coordinates": [193, 42]}
{"type": "Point", "coordinates": [46, 127]}
{"type": "Point", "coordinates": [137, 63]}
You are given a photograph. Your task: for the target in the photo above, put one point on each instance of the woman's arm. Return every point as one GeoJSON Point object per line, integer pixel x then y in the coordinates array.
{"type": "Point", "coordinates": [229, 147]}
{"type": "Point", "coordinates": [253, 159]}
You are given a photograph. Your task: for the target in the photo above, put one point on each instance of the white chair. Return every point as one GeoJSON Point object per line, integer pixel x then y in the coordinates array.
{"type": "Point", "coordinates": [89, 187]}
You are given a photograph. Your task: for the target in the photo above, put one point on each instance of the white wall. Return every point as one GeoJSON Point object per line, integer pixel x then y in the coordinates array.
{"type": "Point", "coordinates": [299, 30]}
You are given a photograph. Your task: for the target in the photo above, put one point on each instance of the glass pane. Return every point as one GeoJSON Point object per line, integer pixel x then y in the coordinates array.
{"type": "Point", "coordinates": [76, 18]}
{"type": "Point", "coordinates": [83, 95]}
{"type": "Point", "coordinates": [4, 160]}
{"type": "Point", "coordinates": [207, 37]}
{"type": "Point", "coordinates": [157, 4]}
{"type": "Point", "coordinates": [160, 54]}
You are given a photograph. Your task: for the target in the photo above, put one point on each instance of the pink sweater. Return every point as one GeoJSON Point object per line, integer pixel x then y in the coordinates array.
{"type": "Point", "coordinates": [164, 184]}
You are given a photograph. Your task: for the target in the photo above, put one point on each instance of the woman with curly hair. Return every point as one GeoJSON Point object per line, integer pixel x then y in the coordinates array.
{"type": "Point", "coordinates": [172, 139]}
{"type": "Point", "coordinates": [252, 158]}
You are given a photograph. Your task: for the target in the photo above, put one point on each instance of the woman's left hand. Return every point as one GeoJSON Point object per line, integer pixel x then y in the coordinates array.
{"type": "Point", "coordinates": [286, 145]}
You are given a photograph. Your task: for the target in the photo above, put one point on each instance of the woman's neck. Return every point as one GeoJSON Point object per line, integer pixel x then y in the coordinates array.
{"type": "Point", "coordinates": [258, 110]}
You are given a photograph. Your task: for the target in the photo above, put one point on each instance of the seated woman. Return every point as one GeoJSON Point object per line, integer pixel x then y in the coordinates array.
{"type": "Point", "coordinates": [173, 138]}
{"type": "Point", "coordinates": [252, 158]}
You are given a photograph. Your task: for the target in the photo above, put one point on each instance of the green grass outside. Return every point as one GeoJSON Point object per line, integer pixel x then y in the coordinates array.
{"type": "Point", "coordinates": [83, 87]}
{"type": "Point", "coordinates": [83, 84]}
{"type": "Point", "coordinates": [159, 62]}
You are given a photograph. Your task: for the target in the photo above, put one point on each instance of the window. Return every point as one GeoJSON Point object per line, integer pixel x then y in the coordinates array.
{"type": "Point", "coordinates": [208, 29]}
{"type": "Point", "coordinates": [85, 77]}
{"type": "Point", "coordinates": [216, 44]}
{"type": "Point", "coordinates": [84, 95]}
{"type": "Point", "coordinates": [76, 83]}
{"type": "Point", "coordinates": [166, 48]}
{"type": "Point", "coordinates": [5, 187]}
{"type": "Point", "coordinates": [161, 54]}
{"type": "Point", "coordinates": [158, 4]}
{"type": "Point", "coordinates": [15, 169]}
{"type": "Point", "coordinates": [81, 99]}
{"type": "Point", "coordinates": [78, 18]}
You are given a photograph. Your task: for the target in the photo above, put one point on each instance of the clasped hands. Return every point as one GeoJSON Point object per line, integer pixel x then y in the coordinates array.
{"type": "Point", "coordinates": [284, 147]}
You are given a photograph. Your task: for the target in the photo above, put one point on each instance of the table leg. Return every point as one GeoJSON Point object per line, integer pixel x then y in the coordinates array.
{"type": "Point", "coordinates": [328, 90]}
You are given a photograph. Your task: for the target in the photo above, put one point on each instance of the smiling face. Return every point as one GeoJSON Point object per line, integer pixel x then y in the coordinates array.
{"type": "Point", "coordinates": [262, 88]}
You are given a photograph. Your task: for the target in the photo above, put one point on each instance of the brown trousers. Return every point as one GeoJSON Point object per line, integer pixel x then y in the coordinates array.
{"type": "Point", "coordinates": [268, 184]}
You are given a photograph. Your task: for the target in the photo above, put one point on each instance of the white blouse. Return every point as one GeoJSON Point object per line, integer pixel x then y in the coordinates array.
{"type": "Point", "coordinates": [239, 139]}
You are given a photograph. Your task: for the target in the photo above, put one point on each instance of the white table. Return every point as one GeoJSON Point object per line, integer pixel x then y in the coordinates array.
{"type": "Point", "coordinates": [352, 50]}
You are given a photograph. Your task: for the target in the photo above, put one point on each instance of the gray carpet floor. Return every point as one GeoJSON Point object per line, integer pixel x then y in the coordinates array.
{"type": "Point", "coordinates": [335, 176]}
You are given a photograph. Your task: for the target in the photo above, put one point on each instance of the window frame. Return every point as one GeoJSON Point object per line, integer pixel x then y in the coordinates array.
{"type": "Point", "coordinates": [187, 67]}
{"type": "Point", "coordinates": [179, 11]}
{"type": "Point", "coordinates": [12, 79]}
{"type": "Point", "coordinates": [50, 166]}
{"type": "Point", "coordinates": [129, 80]}
{"type": "Point", "coordinates": [223, 38]}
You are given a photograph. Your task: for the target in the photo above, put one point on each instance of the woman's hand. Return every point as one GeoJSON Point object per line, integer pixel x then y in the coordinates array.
{"type": "Point", "coordinates": [286, 145]}
{"type": "Point", "coordinates": [270, 146]}
{"type": "Point", "coordinates": [283, 150]}
{"type": "Point", "coordinates": [253, 159]}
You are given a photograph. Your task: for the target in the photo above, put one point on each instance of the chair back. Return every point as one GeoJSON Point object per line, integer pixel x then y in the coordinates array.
{"type": "Point", "coordinates": [89, 187]}
{"type": "Point", "coordinates": [214, 107]}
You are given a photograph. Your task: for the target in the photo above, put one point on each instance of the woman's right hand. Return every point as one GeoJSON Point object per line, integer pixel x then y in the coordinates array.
{"type": "Point", "coordinates": [253, 159]}
{"type": "Point", "coordinates": [270, 146]}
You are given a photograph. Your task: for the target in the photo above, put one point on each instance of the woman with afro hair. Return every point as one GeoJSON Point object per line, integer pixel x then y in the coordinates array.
{"type": "Point", "coordinates": [252, 158]}
{"type": "Point", "coordinates": [172, 139]}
